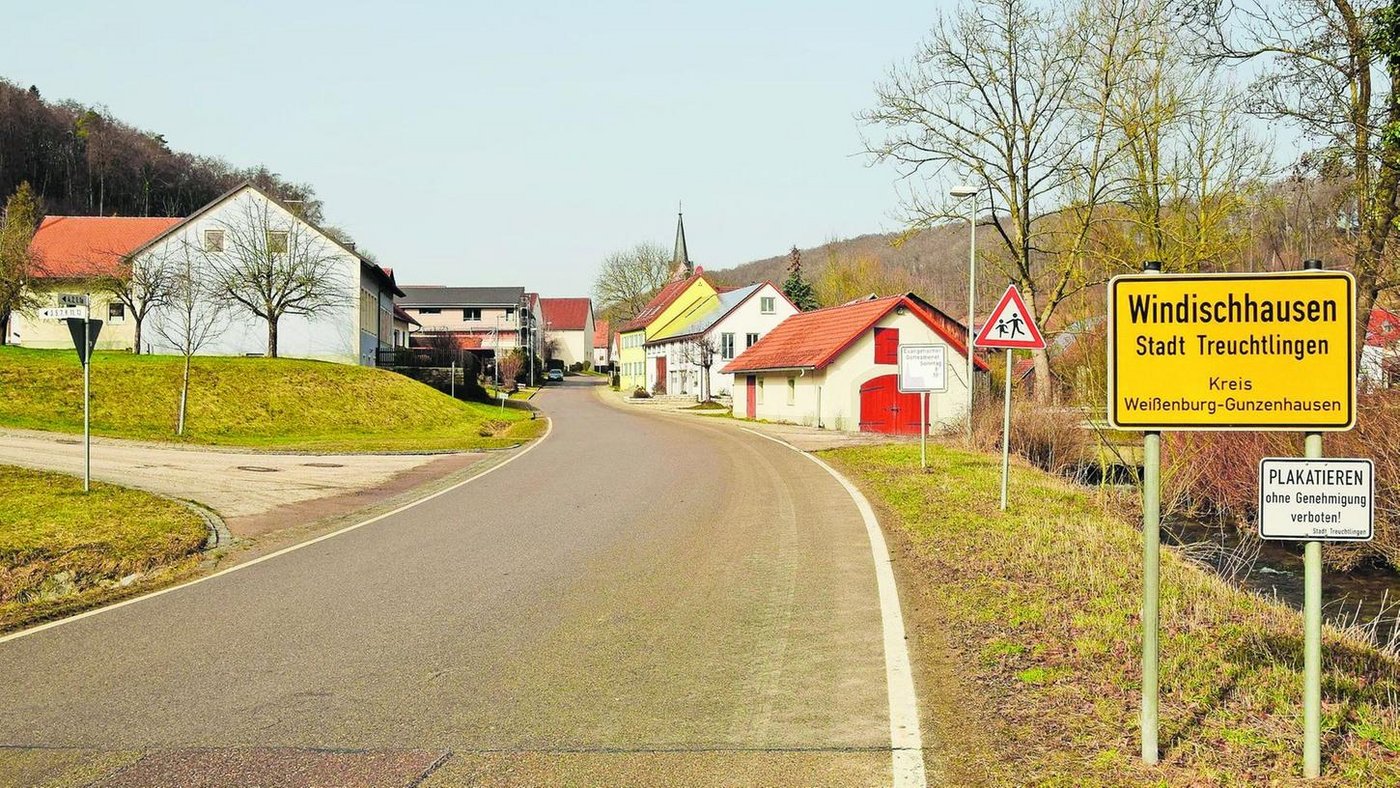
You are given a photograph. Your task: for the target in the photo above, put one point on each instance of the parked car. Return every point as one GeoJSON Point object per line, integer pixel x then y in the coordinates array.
{"type": "Point", "coordinates": [556, 374]}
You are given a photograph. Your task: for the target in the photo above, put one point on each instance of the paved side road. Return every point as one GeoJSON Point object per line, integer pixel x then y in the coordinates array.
{"type": "Point", "coordinates": [251, 491]}
{"type": "Point", "coordinates": [634, 601]}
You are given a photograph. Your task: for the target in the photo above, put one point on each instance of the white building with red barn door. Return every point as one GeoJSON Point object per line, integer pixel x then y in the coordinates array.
{"type": "Point", "coordinates": [837, 368]}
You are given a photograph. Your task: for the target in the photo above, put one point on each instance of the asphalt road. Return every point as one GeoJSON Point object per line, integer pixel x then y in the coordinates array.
{"type": "Point", "coordinates": [637, 600]}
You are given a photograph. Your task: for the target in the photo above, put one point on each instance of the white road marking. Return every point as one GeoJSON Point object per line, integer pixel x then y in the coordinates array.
{"type": "Point", "coordinates": [549, 429]}
{"type": "Point", "coordinates": [906, 743]}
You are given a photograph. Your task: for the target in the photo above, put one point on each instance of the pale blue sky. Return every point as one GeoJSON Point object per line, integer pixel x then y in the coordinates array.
{"type": "Point", "coordinates": [509, 143]}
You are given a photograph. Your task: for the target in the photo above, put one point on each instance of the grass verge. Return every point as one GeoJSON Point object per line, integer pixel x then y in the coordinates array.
{"type": "Point", "coordinates": [61, 549]}
{"type": "Point", "coordinates": [285, 404]}
{"type": "Point", "coordinates": [1038, 607]}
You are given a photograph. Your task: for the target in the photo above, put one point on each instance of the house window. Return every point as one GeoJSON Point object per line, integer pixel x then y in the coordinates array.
{"type": "Point", "coordinates": [750, 339]}
{"type": "Point", "coordinates": [726, 345]}
{"type": "Point", "coordinates": [792, 391]}
{"type": "Point", "coordinates": [472, 315]}
{"type": "Point", "coordinates": [886, 346]}
{"type": "Point", "coordinates": [766, 305]}
{"type": "Point", "coordinates": [116, 312]}
{"type": "Point", "coordinates": [277, 241]}
{"type": "Point", "coordinates": [429, 311]}
{"type": "Point", "coordinates": [510, 314]}
{"type": "Point", "coordinates": [213, 240]}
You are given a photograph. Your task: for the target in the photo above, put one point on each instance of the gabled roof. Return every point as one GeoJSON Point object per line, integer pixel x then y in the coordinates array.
{"type": "Point", "coordinates": [729, 300]}
{"type": "Point", "coordinates": [566, 314]}
{"type": "Point", "coordinates": [601, 333]}
{"type": "Point", "coordinates": [76, 247]}
{"type": "Point", "coordinates": [399, 314]}
{"type": "Point", "coordinates": [812, 340]}
{"type": "Point", "coordinates": [439, 296]}
{"type": "Point", "coordinates": [658, 303]}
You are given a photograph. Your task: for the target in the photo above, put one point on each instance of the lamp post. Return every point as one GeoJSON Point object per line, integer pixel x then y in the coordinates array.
{"type": "Point", "coordinates": [962, 192]}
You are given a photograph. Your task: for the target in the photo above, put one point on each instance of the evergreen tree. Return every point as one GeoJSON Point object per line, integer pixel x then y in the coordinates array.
{"type": "Point", "coordinates": [797, 289]}
{"type": "Point", "coordinates": [19, 222]}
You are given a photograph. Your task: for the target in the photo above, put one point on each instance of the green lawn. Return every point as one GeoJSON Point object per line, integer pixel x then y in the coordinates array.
{"type": "Point", "coordinates": [60, 547]}
{"type": "Point", "coordinates": [1030, 618]}
{"type": "Point", "coordinates": [257, 402]}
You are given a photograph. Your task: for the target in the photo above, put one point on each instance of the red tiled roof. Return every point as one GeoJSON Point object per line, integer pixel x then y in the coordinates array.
{"type": "Point", "coordinates": [601, 332]}
{"type": "Point", "coordinates": [1383, 328]}
{"type": "Point", "coordinates": [66, 247]}
{"type": "Point", "coordinates": [658, 303]}
{"type": "Point", "coordinates": [566, 314]}
{"type": "Point", "coordinates": [815, 339]}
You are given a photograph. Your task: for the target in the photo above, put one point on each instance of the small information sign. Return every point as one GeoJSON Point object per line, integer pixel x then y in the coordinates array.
{"type": "Point", "coordinates": [63, 313]}
{"type": "Point", "coordinates": [1316, 500]}
{"type": "Point", "coordinates": [73, 299]}
{"type": "Point", "coordinates": [923, 368]}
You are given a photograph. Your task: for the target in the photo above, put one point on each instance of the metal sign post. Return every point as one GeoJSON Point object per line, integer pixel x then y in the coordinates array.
{"type": "Point", "coordinates": [1010, 327]}
{"type": "Point", "coordinates": [1232, 352]}
{"type": "Point", "coordinates": [923, 369]}
{"type": "Point", "coordinates": [77, 313]}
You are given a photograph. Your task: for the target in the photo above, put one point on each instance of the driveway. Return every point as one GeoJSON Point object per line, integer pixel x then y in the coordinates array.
{"type": "Point", "coordinates": [633, 601]}
{"type": "Point", "coordinates": [253, 493]}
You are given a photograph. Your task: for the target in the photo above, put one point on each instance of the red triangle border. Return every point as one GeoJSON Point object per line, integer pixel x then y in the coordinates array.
{"type": "Point", "coordinates": [1036, 341]}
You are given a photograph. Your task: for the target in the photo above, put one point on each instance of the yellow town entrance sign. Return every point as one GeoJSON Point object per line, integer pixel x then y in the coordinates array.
{"type": "Point", "coordinates": [1232, 351]}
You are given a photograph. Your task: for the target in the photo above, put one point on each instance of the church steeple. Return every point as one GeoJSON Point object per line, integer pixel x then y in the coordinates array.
{"type": "Point", "coordinates": [681, 267]}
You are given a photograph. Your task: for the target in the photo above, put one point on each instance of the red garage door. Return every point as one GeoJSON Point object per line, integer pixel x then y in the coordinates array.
{"type": "Point", "coordinates": [884, 409]}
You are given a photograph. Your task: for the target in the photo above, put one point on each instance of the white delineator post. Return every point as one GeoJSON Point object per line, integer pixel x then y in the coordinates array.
{"type": "Point", "coordinates": [1312, 623]}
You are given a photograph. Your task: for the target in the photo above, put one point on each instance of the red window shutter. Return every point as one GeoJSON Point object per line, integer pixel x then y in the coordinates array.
{"type": "Point", "coordinates": [886, 346]}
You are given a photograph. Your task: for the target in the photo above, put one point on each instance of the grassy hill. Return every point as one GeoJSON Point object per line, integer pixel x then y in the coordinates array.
{"type": "Point", "coordinates": [257, 402]}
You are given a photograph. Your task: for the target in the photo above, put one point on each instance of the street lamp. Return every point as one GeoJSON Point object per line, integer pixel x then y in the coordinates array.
{"type": "Point", "coordinates": [960, 193]}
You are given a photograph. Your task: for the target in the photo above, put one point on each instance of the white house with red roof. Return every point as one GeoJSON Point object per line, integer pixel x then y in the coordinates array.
{"type": "Point", "coordinates": [81, 254]}
{"type": "Point", "coordinates": [723, 327]}
{"type": "Point", "coordinates": [602, 345]}
{"type": "Point", "coordinates": [837, 368]}
{"type": "Point", "coordinates": [568, 323]}
{"type": "Point", "coordinates": [1380, 355]}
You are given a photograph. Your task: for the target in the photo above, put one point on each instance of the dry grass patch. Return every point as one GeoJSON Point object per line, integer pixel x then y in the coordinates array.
{"type": "Point", "coordinates": [59, 547]}
{"type": "Point", "coordinates": [1042, 603]}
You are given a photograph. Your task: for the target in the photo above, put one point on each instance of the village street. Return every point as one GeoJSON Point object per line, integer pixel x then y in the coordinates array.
{"type": "Point", "coordinates": [636, 595]}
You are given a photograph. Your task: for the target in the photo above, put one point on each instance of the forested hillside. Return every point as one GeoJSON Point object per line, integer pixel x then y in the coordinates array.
{"type": "Point", "coordinates": [81, 160]}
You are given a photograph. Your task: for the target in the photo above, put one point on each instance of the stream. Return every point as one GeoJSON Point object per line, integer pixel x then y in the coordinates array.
{"type": "Point", "coordinates": [1362, 595]}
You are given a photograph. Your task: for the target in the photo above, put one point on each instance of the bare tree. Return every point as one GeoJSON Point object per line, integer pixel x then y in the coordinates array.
{"type": "Point", "coordinates": [17, 265]}
{"type": "Point", "coordinates": [192, 315]}
{"type": "Point", "coordinates": [273, 265]}
{"type": "Point", "coordinates": [145, 284]}
{"type": "Point", "coordinates": [700, 351]}
{"type": "Point", "coordinates": [1329, 68]}
{"type": "Point", "coordinates": [989, 98]}
{"type": "Point", "coordinates": [508, 366]}
{"type": "Point", "coordinates": [628, 279]}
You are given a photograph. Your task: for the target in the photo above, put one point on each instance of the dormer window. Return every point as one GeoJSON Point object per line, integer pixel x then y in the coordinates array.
{"type": "Point", "coordinates": [213, 240]}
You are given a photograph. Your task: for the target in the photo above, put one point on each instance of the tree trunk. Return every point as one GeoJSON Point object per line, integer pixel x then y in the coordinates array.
{"type": "Point", "coordinates": [184, 396]}
{"type": "Point", "coordinates": [1044, 389]}
{"type": "Point", "coordinates": [136, 350]}
{"type": "Point", "coordinates": [272, 337]}
{"type": "Point", "coordinates": [4, 329]}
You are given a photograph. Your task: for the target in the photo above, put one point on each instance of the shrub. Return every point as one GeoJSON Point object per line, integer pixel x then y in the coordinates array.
{"type": "Point", "coordinates": [1217, 473]}
{"type": "Point", "coordinates": [640, 393]}
{"type": "Point", "coordinates": [1051, 438]}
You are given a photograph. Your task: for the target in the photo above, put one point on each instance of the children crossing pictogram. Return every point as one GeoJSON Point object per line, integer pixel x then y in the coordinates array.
{"type": "Point", "coordinates": [1010, 325]}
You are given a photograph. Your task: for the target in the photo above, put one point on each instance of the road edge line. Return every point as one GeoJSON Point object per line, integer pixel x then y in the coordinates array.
{"type": "Point", "coordinates": [34, 630]}
{"type": "Point", "coordinates": [906, 741]}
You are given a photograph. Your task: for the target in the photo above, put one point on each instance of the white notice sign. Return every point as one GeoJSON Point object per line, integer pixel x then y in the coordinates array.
{"type": "Point", "coordinates": [922, 368]}
{"type": "Point", "coordinates": [1316, 500]}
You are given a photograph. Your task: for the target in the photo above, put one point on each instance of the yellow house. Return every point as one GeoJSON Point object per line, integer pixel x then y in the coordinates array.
{"type": "Point", "coordinates": [687, 294]}
{"type": "Point", "coordinates": [677, 302]}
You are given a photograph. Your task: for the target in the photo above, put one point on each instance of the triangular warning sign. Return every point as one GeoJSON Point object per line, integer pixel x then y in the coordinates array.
{"type": "Point", "coordinates": [1010, 325]}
